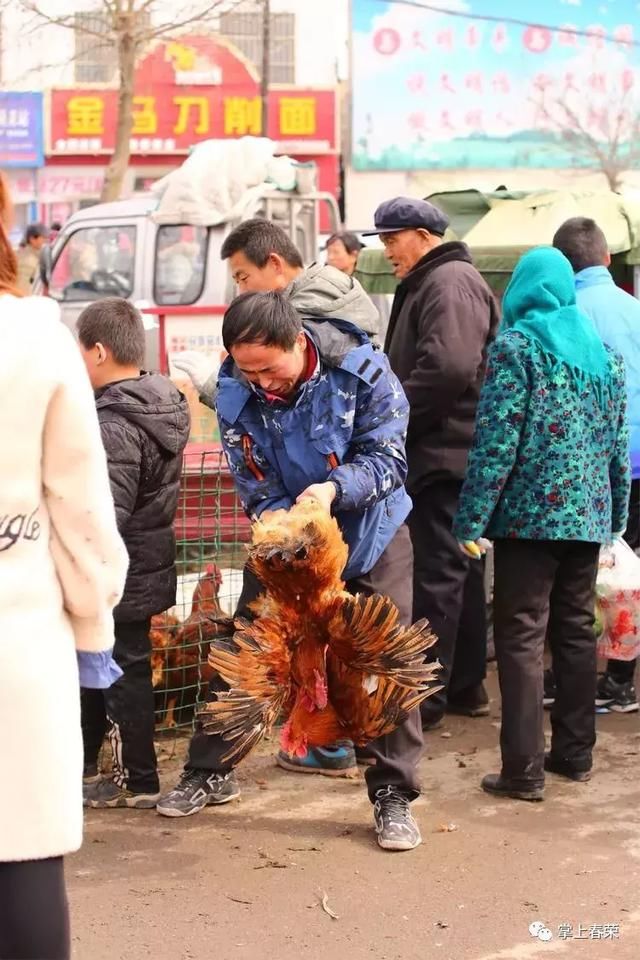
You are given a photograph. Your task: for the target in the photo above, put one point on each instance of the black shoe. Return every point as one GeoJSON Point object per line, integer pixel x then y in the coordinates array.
{"type": "Point", "coordinates": [549, 689]}
{"type": "Point", "coordinates": [195, 790]}
{"type": "Point", "coordinates": [614, 697]}
{"type": "Point", "coordinates": [395, 826]}
{"type": "Point", "coordinates": [104, 794]}
{"type": "Point", "coordinates": [495, 784]}
{"type": "Point", "coordinates": [564, 768]}
{"type": "Point", "coordinates": [471, 702]}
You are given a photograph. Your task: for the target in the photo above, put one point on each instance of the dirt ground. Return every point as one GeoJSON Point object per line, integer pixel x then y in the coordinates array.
{"type": "Point", "coordinates": [246, 881]}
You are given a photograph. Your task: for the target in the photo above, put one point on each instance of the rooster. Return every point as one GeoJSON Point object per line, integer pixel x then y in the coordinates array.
{"type": "Point", "coordinates": [163, 637]}
{"type": "Point", "coordinates": [206, 621]}
{"type": "Point", "coordinates": [179, 650]}
{"type": "Point", "coordinates": [337, 666]}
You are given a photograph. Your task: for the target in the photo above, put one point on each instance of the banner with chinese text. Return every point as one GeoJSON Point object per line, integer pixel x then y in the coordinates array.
{"type": "Point", "coordinates": [459, 87]}
{"type": "Point", "coordinates": [171, 119]}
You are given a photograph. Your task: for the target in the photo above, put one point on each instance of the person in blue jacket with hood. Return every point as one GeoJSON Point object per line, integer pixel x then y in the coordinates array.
{"type": "Point", "coordinates": [310, 408]}
{"type": "Point", "coordinates": [616, 316]}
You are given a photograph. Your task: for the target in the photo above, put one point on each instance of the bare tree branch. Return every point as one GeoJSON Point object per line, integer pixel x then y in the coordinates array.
{"type": "Point", "coordinates": [608, 140]}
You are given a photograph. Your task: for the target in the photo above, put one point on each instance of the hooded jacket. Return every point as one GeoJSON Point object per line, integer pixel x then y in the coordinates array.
{"type": "Point", "coordinates": [443, 318]}
{"type": "Point", "coordinates": [145, 428]}
{"type": "Point", "coordinates": [324, 291]}
{"type": "Point", "coordinates": [347, 423]}
{"type": "Point", "coordinates": [616, 316]}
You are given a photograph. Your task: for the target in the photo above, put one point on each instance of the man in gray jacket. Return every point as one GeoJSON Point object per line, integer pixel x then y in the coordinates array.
{"type": "Point", "coordinates": [262, 258]}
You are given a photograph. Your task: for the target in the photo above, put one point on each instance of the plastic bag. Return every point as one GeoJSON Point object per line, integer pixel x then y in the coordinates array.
{"type": "Point", "coordinates": [618, 601]}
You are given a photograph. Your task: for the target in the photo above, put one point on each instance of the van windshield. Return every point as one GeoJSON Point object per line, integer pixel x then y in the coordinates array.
{"type": "Point", "coordinates": [95, 262]}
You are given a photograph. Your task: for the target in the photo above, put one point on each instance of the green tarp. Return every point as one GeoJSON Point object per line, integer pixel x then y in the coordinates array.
{"type": "Point", "coordinates": [499, 227]}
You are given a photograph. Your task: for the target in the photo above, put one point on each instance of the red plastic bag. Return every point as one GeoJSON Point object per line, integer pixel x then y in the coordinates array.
{"type": "Point", "coordinates": [618, 596]}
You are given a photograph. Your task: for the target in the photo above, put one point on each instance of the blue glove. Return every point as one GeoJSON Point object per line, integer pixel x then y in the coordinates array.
{"type": "Point", "coordinates": [98, 671]}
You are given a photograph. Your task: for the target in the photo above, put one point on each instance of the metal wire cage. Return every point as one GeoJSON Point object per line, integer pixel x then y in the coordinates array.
{"type": "Point", "coordinates": [211, 533]}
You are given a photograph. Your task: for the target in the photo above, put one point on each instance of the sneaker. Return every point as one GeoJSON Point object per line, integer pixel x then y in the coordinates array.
{"type": "Point", "coordinates": [104, 792]}
{"type": "Point", "coordinates": [549, 689]}
{"type": "Point", "coordinates": [338, 761]}
{"type": "Point", "coordinates": [614, 697]}
{"type": "Point", "coordinates": [90, 775]}
{"type": "Point", "coordinates": [471, 702]}
{"type": "Point", "coordinates": [564, 768]}
{"type": "Point", "coordinates": [197, 789]}
{"type": "Point", "coordinates": [395, 826]}
{"type": "Point", "coordinates": [498, 786]}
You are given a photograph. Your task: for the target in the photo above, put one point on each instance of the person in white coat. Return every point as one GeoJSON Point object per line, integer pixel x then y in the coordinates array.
{"type": "Point", "coordinates": [62, 570]}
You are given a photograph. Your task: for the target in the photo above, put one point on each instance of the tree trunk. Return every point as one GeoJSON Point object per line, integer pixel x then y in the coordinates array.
{"type": "Point", "coordinates": [114, 177]}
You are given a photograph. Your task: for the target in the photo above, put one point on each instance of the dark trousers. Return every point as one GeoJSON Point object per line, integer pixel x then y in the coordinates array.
{"type": "Point", "coordinates": [623, 671]}
{"type": "Point", "coordinates": [34, 913]}
{"type": "Point", "coordinates": [398, 753]}
{"type": "Point", "coordinates": [126, 710]}
{"type": "Point", "coordinates": [540, 583]}
{"type": "Point", "coordinates": [448, 590]}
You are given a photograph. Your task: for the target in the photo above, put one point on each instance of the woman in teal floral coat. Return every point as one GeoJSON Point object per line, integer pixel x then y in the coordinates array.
{"type": "Point", "coordinates": [548, 482]}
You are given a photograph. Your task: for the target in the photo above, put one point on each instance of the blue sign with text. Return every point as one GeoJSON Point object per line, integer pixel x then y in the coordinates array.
{"type": "Point", "coordinates": [21, 137]}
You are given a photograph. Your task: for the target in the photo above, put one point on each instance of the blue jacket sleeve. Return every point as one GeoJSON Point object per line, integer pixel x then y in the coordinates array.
{"type": "Point", "coordinates": [97, 671]}
{"type": "Point", "coordinates": [619, 465]}
{"type": "Point", "coordinates": [258, 484]}
{"type": "Point", "coordinates": [375, 464]}
{"type": "Point", "coordinates": [501, 413]}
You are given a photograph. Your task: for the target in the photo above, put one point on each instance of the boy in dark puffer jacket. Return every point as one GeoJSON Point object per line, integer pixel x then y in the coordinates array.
{"type": "Point", "coordinates": [144, 421]}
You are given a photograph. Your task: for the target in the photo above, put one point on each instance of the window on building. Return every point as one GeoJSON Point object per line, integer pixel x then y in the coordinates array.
{"type": "Point", "coordinates": [244, 29]}
{"type": "Point", "coordinates": [94, 60]}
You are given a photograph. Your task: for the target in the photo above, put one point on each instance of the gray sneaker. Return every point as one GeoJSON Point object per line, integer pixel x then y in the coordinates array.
{"type": "Point", "coordinates": [103, 793]}
{"type": "Point", "coordinates": [197, 789]}
{"type": "Point", "coordinates": [396, 828]}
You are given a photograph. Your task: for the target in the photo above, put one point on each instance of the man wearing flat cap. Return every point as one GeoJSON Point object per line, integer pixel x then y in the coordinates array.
{"type": "Point", "coordinates": [443, 318]}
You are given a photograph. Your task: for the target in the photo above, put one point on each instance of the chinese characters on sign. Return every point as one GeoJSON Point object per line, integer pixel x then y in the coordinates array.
{"type": "Point", "coordinates": [569, 931]}
{"type": "Point", "coordinates": [21, 141]}
{"type": "Point", "coordinates": [435, 91]}
{"type": "Point", "coordinates": [84, 121]}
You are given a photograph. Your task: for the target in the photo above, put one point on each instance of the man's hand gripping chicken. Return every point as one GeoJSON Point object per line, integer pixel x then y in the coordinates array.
{"type": "Point", "coordinates": [336, 666]}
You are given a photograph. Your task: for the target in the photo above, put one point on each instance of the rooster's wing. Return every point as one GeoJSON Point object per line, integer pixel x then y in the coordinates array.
{"type": "Point", "coordinates": [370, 706]}
{"type": "Point", "coordinates": [257, 666]}
{"type": "Point", "coordinates": [364, 633]}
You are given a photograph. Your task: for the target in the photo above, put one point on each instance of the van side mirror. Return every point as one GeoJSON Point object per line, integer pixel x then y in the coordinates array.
{"type": "Point", "coordinates": [46, 264]}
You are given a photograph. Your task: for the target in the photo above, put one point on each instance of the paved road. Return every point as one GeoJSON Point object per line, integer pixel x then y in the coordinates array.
{"type": "Point", "coordinates": [245, 881]}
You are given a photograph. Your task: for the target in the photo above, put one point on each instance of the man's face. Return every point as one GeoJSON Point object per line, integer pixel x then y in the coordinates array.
{"type": "Point", "coordinates": [271, 368]}
{"type": "Point", "coordinates": [37, 242]}
{"type": "Point", "coordinates": [405, 247]}
{"type": "Point", "coordinates": [250, 278]}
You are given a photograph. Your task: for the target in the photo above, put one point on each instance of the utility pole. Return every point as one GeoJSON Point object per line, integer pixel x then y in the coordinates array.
{"type": "Point", "coordinates": [266, 62]}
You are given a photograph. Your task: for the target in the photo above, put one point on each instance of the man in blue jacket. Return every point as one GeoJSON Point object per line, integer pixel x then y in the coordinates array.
{"type": "Point", "coordinates": [616, 316]}
{"type": "Point", "coordinates": [311, 409]}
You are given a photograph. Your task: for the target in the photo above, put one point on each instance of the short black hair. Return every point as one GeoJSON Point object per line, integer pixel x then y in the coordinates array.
{"type": "Point", "coordinates": [117, 325]}
{"type": "Point", "coordinates": [265, 318]}
{"type": "Point", "coordinates": [258, 239]}
{"type": "Point", "coordinates": [583, 243]}
{"type": "Point", "coordinates": [56, 226]}
{"type": "Point", "coordinates": [351, 241]}
{"type": "Point", "coordinates": [35, 230]}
